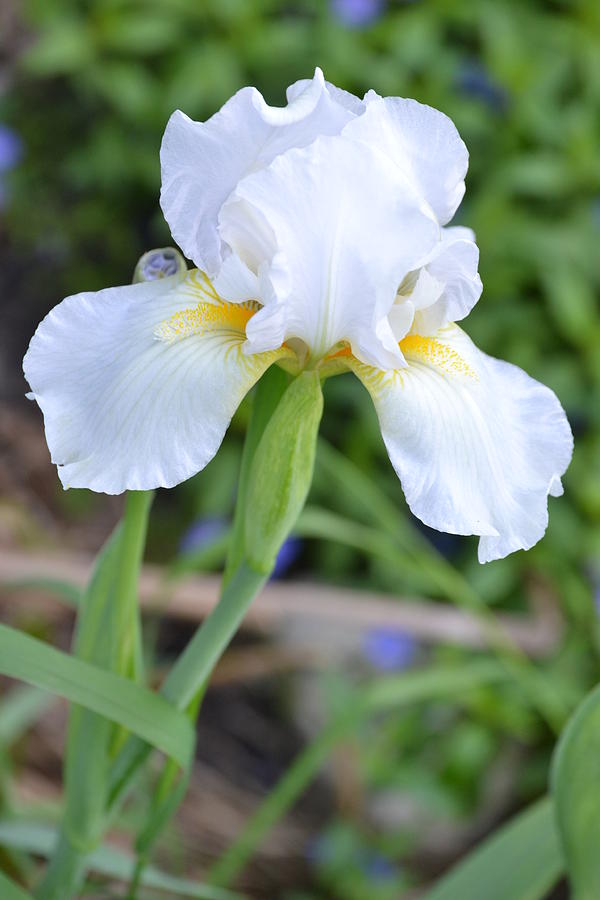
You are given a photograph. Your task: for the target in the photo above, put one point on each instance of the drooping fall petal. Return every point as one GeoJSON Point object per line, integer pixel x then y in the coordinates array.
{"type": "Point", "coordinates": [138, 384]}
{"type": "Point", "coordinates": [478, 444]}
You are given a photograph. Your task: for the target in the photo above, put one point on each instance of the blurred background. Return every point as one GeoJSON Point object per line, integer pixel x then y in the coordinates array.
{"type": "Point", "coordinates": [363, 590]}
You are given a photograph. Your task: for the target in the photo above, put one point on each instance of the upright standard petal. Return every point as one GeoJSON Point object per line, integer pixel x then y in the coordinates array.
{"type": "Point", "coordinates": [478, 444]}
{"type": "Point", "coordinates": [423, 142]}
{"type": "Point", "coordinates": [202, 162]}
{"type": "Point", "coordinates": [138, 384]}
{"type": "Point", "coordinates": [333, 228]}
{"type": "Point", "coordinates": [350, 101]}
{"type": "Point", "coordinates": [443, 290]}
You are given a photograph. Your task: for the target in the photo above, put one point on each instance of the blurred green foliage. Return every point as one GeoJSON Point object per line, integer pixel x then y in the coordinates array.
{"type": "Point", "coordinates": [90, 93]}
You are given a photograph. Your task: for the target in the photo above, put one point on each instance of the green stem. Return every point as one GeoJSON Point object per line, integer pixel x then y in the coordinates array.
{"type": "Point", "coordinates": [127, 609]}
{"type": "Point", "coordinates": [110, 606]}
{"type": "Point", "coordinates": [64, 874]}
{"type": "Point", "coordinates": [202, 653]}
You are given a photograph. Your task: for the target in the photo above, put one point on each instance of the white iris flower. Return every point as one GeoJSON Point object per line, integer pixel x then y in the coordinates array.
{"type": "Point", "coordinates": [320, 236]}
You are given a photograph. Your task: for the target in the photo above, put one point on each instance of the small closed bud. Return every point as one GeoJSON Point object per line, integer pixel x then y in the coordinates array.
{"type": "Point", "coordinates": [160, 263]}
{"type": "Point", "coordinates": [282, 470]}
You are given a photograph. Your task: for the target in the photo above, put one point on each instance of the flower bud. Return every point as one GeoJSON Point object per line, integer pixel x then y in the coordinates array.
{"type": "Point", "coordinates": [159, 263]}
{"type": "Point", "coordinates": [282, 470]}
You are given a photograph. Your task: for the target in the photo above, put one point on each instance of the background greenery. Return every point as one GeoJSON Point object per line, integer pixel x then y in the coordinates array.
{"type": "Point", "coordinates": [88, 88]}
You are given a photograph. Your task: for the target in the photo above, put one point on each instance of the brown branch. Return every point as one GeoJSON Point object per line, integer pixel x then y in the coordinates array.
{"type": "Point", "coordinates": [291, 606]}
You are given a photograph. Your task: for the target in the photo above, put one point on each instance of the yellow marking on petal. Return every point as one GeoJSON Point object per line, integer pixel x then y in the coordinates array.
{"type": "Point", "coordinates": [345, 351]}
{"type": "Point", "coordinates": [205, 317]}
{"type": "Point", "coordinates": [436, 354]}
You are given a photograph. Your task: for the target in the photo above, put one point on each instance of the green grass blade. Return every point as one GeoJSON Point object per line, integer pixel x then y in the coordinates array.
{"type": "Point", "coordinates": [142, 712]}
{"type": "Point", "coordinates": [520, 861]}
{"type": "Point", "coordinates": [40, 839]}
{"type": "Point", "coordinates": [323, 524]}
{"type": "Point", "coordinates": [11, 891]}
{"type": "Point", "coordinates": [108, 635]}
{"type": "Point", "coordinates": [88, 736]}
{"type": "Point", "coordinates": [576, 791]}
{"type": "Point", "coordinates": [549, 697]}
{"type": "Point", "coordinates": [380, 695]}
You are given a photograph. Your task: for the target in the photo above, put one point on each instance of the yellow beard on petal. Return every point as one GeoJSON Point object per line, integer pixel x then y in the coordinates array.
{"type": "Point", "coordinates": [435, 353]}
{"type": "Point", "coordinates": [206, 317]}
{"type": "Point", "coordinates": [209, 312]}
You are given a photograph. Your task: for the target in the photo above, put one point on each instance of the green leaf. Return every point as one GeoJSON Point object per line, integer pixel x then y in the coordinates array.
{"type": "Point", "coordinates": [86, 763]}
{"type": "Point", "coordinates": [11, 891]}
{"type": "Point", "coordinates": [107, 635]}
{"type": "Point", "coordinates": [576, 790]}
{"type": "Point", "coordinates": [522, 860]}
{"type": "Point", "coordinates": [142, 712]}
{"type": "Point", "coordinates": [40, 839]}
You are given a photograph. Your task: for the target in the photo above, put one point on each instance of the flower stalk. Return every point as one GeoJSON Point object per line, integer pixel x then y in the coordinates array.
{"type": "Point", "coordinates": [108, 634]}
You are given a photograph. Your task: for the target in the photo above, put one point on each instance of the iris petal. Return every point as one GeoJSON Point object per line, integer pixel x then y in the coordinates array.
{"type": "Point", "coordinates": [138, 384]}
{"type": "Point", "coordinates": [477, 444]}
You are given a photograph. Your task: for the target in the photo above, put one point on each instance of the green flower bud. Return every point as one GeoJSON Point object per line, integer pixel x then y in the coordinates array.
{"type": "Point", "coordinates": [159, 263]}
{"type": "Point", "coordinates": [282, 470]}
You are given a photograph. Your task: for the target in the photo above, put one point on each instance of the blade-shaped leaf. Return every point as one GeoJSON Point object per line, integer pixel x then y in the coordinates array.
{"type": "Point", "coordinates": [522, 860]}
{"type": "Point", "coordinates": [146, 714]}
{"type": "Point", "coordinates": [39, 838]}
{"type": "Point", "coordinates": [576, 790]}
{"type": "Point", "coordinates": [11, 891]}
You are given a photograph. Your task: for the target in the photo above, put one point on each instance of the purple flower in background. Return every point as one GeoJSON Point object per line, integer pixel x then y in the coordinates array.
{"type": "Point", "coordinates": [204, 532]}
{"type": "Point", "coordinates": [11, 148]}
{"type": "Point", "coordinates": [201, 533]}
{"type": "Point", "coordinates": [475, 81]}
{"type": "Point", "coordinates": [357, 13]}
{"type": "Point", "coordinates": [11, 151]}
{"type": "Point", "coordinates": [377, 868]}
{"type": "Point", "coordinates": [389, 650]}
{"type": "Point", "coordinates": [287, 556]}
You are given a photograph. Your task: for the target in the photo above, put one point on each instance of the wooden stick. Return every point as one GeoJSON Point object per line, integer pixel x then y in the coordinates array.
{"type": "Point", "coordinates": [283, 606]}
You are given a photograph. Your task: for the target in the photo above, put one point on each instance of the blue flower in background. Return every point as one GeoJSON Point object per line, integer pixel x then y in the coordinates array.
{"type": "Point", "coordinates": [475, 81]}
{"type": "Point", "coordinates": [389, 650]}
{"type": "Point", "coordinates": [11, 148]}
{"type": "Point", "coordinates": [11, 151]}
{"type": "Point", "coordinates": [339, 849]}
{"type": "Point", "coordinates": [201, 533]}
{"type": "Point", "coordinates": [377, 868]}
{"type": "Point", "coordinates": [357, 13]}
{"type": "Point", "coordinates": [205, 531]}
{"type": "Point", "coordinates": [287, 556]}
